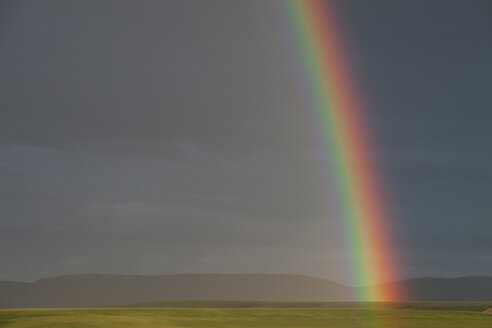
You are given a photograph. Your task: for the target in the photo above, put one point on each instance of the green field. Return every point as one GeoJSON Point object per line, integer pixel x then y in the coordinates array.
{"type": "Point", "coordinates": [449, 306]}
{"type": "Point", "coordinates": [259, 315]}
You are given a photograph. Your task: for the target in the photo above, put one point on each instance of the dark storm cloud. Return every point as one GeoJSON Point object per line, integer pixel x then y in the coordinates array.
{"type": "Point", "coordinates": [425, 68]}
{"type": "Point", "coordinates": [122, 70]}
{"type": "Point", "coordinates": [171, 136]}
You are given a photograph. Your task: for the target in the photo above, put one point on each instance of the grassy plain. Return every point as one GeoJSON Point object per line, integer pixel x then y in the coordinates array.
{"type": "Point", "coordinates": [450, 306]}
{"type": "Point", "coordinates": [429, 316]}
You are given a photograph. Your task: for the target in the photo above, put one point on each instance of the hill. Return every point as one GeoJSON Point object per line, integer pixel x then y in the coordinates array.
{"type": "Point", "coordinates": [99, 290]}
{"type": "Point", "coordinates": [447, 289]}
{"type": "Point", "coordinates": [94, 290]}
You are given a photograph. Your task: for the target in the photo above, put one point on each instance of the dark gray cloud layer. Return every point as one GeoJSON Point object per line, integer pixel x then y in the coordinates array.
{"type": "Point", "coordinates": [171, 136]}
{"type": "Point", "coordinates": [425, 68]}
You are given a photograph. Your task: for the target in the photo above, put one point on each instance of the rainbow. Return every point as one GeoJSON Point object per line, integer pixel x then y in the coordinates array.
{"type": "Point", "coordinates": [344, 133]}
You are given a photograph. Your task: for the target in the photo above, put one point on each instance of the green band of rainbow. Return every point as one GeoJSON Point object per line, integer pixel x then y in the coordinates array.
{"type": "Point", "coordinates": [361, 209]}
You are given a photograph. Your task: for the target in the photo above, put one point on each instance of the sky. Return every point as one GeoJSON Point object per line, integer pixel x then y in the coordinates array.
{"type": "Point", "coordinates": [162, 137]}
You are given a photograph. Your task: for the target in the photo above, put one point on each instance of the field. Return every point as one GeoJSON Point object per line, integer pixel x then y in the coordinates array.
{"type": "Point", "coordinates": [259, 315]}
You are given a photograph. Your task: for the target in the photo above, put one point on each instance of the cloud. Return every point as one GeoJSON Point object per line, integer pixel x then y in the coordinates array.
{"type": "Point", "coordinates": [164, 137]}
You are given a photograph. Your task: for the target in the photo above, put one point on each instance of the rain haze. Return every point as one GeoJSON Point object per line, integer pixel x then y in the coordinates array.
{"type": "Point", "coordinates": [161, 137]}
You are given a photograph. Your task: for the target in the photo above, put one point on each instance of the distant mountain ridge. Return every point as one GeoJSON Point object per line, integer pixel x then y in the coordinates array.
{"type": "Point", "coordinates": [473, 288]}
{"type": "Point", "coordinates": [99, 290]}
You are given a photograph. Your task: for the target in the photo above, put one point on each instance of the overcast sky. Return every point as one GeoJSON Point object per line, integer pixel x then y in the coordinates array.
{"type": "Point", "coordinates": [156, 137]}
